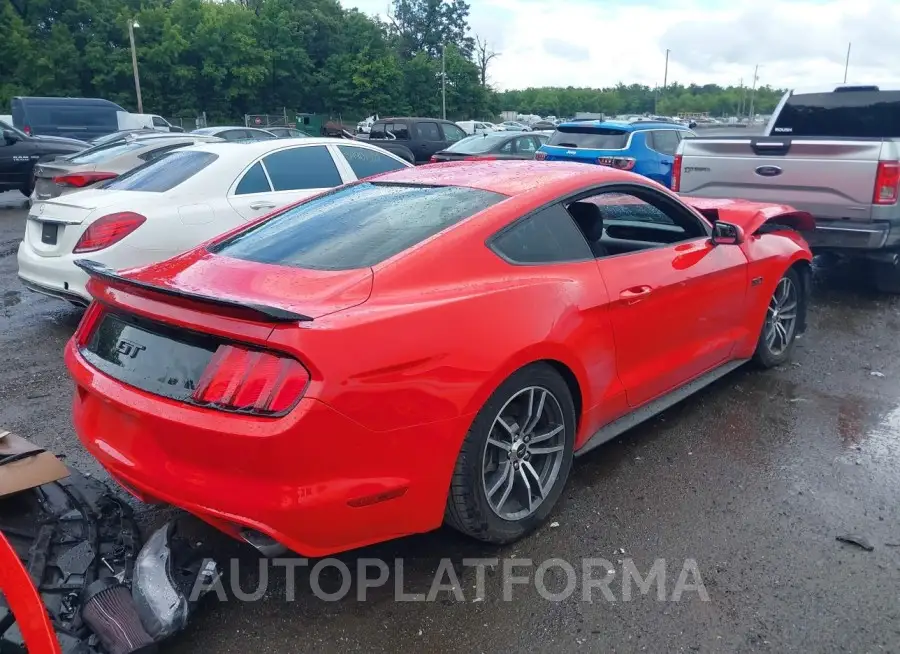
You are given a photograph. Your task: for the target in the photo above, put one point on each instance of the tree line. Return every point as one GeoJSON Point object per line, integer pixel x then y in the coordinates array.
{"type": "Point", "coordinates": [234, 57]}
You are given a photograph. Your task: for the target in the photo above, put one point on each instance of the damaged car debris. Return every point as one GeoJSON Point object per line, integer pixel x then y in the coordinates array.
{"type": "Point", "coordinates": [81, 547]}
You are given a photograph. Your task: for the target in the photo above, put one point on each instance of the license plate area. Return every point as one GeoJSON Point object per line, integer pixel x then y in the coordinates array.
{"type": "Point", "coordinates": [49, 233]}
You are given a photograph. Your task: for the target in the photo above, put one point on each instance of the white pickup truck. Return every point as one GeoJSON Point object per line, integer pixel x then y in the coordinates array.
{"type": "Point", "coordinates": [834, 152]}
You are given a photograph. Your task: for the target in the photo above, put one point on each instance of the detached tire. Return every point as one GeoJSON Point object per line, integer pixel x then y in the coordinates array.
{"type": "Point", "coordinates": [779, 333]}
{"type": "Point", "coordinates": [516, 458]}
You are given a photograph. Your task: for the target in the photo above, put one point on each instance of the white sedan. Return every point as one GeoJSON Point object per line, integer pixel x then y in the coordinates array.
{"type": "Point", "coordinates": [180, 200]}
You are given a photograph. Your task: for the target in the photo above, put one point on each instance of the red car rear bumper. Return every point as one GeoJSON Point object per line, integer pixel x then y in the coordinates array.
{"type": "Point", "coordinates": [315, 480]}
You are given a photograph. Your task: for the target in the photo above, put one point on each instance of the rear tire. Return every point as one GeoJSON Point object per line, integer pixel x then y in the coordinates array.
{"type": "Point", "coordinates": [516, 458]}
{"type": "Point", "coordinates": [783, 320]}
{"type": "Point", "coordinates": [886, 277]}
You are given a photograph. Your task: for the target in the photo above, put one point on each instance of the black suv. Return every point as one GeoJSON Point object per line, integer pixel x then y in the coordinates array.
{"type": "Point", "coordinates": [19, 152]}
{"type": "Point", "coordinates": [421, 136]}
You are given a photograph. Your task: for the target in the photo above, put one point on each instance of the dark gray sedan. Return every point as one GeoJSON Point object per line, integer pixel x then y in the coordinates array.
{"type": "Point", "coordinates": [496, 145]}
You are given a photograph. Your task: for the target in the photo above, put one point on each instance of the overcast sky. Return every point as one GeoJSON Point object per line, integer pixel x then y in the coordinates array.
{"type": "Point", "coordinates": [602, 42]}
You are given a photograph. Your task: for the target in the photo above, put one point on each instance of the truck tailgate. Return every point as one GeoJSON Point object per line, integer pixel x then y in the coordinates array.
{"type": "Point", "coordinates": [829, 178]}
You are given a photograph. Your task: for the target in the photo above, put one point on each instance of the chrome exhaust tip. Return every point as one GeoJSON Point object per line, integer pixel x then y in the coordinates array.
{"type": "Point", "coordinates": [265, 545]}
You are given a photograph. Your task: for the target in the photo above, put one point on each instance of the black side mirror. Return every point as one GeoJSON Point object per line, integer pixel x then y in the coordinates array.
{"type": "Point", "coordinates": [10, 136]}
{"type": "Point", "coordinates": [727, 234]}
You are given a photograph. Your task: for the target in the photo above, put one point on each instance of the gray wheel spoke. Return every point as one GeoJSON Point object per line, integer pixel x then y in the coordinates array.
{"type": "Point", "coordinates": [527, 488]}
{"type": "Point", "coordinates": [500, 479]}
{"type": "Point", "coordinates": [788, 306]}
{"type": "Point", "coordinates": [545, 450]}
{"type": "Point", "coordinates": [511, 480]}
{"type": "Point", "coordinates": [508, 428]}
{"type": "Point", "coordinates": [534, 414]}
{"type": "Point", "coordinates": [503, 446]}
{"type": "Point", "coordinates": [527, 466]}
{"type": "Point", "coordinates": [770, 334]}
{"type": "Point", "coordinates": [550, 434]}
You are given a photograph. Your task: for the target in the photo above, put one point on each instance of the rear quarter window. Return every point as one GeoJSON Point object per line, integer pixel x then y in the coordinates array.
{"type": "Point", "coordinates": [548, 236]}
{"type": "Point", "coordinates": [594, 138]}
{"type": "Point", "coordinates": [163, 174]}
{"type": "Point", "coordinates": [356, 226]}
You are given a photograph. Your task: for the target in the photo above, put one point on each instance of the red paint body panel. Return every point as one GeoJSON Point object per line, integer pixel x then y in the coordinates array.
{"type": "Point", "coordinates": [402, 356]}
{"type": "Point", "coordinates": [25, 602]}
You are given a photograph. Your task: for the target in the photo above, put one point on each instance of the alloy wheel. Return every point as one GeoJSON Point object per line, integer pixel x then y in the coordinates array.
{"type": "Point", "coordinates": [523, 453]}
{"type": "Point", "coordinates": [781, 317]}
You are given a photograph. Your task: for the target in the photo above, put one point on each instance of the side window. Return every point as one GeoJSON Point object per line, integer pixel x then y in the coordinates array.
{"type": "Point", "coordinates": [254, 181]}
{"type": "Point", "coordinates": [366, 162]}
{"type": "Point", "coordinates": [234, 135]}
{"type": "Point", "coordinates": [429, 132]}
{"type": "Point", "coordinates": [399, 130]}
{"type": "Point", "coordinates": [525, 145]}
{"type": "Point", "coordinates": [507, 148]}
{"type": "Point", "coordinates": [548, 236]}
{"type": "Point", "coordinates": [664, 141]}
{"type": "Point", "coordinates": [453, 133]}
{"type": "Point", "coordinates": [636, 216]}
{"type": "Point", "coordinates": [377, 131]}
{"type": "Point", "coordinates": [159, 122]}
{"type": "Point", "coordinates": [302, 168]}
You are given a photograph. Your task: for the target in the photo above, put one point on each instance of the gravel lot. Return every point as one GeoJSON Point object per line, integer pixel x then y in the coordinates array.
{"type": "Point", "coordinates": [754, 479]}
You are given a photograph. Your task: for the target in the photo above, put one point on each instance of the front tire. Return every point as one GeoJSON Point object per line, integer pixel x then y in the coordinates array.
{"type": "Point", "coordinates": [516, 458]}
{"type": "Point", "coordinates": [781, 326]}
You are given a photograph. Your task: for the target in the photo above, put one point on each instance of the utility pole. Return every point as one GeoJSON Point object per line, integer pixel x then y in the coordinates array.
{"type": "Point", "coordinates": [740, 112]}
{"type": "Point", "coordinates": [444, 81]}
{"type": "Point", "coordinates": [137, 80]}
{"type": "Point", "coordinates": [753, 92]}
{"type": "Point", "coordinates": [665, 82]}
{"type": "Point", "coordinates": [847, 63]}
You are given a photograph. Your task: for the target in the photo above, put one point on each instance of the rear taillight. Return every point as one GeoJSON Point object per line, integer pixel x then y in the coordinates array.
{"type": "Point", "coordinates": [887, 182]}
{"type": "Point", "coordinates": [256, 382]}
{"type": "Point", "coordinates": [540, 156]}
{"type": "Point", "coordinates": [620, 163]}
{"type": "Point", "coordinates": [88, 322]}
{"type": "Point", "coordinates": [108, 230]}
{"type": "Point", "coordinates": [433, 159]}
{"type": "Point", "coordinates": [80, 180]}
{"type": "Point", "coordinates": [27, 129]}
{"type": "Point", "coordinates": [676, 173]}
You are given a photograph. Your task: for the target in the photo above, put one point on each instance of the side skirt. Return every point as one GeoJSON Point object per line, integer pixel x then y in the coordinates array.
{"type": "Point", "coordinates": [660, 404]}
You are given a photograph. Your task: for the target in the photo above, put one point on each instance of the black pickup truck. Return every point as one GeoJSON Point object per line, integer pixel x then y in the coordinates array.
{"type": "Point", "coordinates": [19, 152]}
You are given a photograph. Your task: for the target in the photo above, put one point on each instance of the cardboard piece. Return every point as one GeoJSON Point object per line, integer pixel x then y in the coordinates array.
{"type": "Point", "coordinates": [30, 472]}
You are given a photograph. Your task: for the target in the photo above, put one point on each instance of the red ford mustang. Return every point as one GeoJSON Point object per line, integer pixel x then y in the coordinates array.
{"type": "Point", "coordinates": [432, 345]}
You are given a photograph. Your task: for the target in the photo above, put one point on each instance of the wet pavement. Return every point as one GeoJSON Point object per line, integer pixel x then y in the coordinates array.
{"type": "Point", "coordinates": [754, 479]}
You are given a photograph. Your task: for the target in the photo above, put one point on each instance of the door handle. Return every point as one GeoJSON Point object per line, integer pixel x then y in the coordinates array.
{"type": "Point", "coordinates": [262, 204]}
{"type": "Point", "coordinates": [635, 294]}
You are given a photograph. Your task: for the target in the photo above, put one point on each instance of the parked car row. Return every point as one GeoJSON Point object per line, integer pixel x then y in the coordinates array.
{"type": "Point", "coordinates": [184, 194]}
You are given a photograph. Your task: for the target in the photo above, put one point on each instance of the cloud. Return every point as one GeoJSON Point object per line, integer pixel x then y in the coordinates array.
{"type": "Point", "coordinates": [588, 43]}
{"type": "Point", "coordinates": [565, 50]}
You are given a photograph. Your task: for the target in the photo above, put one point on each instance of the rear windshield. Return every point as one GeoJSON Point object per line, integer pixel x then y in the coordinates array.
{"type": "Point", "coordinates": [163, 174]}
{"type": "Point", "coordinates": [595, 138]}
{"type": "Point", "coordinates": [357, 226]}
{"type": "Point", "coordinates": [105, 152]}
{"type": "Point", "coordinates": [477, 144]}
{"type": "Point", "coordinates": [853, 114]}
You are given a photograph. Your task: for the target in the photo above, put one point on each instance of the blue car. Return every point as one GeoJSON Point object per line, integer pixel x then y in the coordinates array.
{"type": "Point", "coordinates": [644, 147]}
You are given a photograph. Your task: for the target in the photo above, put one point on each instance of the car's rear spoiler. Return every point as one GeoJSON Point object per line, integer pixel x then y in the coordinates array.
{"type": "Point", "coordinates": [262, 312]}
